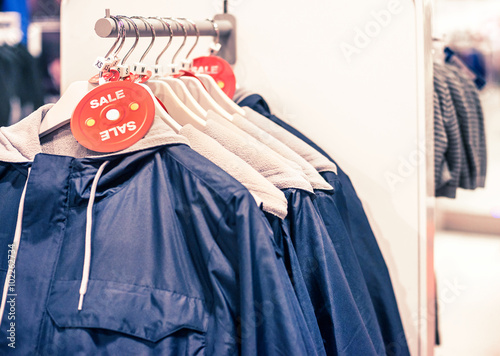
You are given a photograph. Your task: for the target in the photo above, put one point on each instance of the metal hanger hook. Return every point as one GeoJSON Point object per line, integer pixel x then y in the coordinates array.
{"type": "Point", "coordinates": [137, 35]}
{"type": "Point", "coordinates": [119, 24]}
{"type": "Point", "coordinates": [197, 35]}
{"type": "Point", "coordinates": [122, 34]}
{"type": "Point", "coordinates": [167, 25]}
{"type": "Point", "coordinates": [215, 47]}
{"type": "Point", "coordinates": [153, 35]}
{"type": "Point", "coordinates": [183, 42]}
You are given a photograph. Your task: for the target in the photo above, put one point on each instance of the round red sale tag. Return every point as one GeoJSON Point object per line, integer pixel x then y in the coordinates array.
{"type": "Point", "coordinates": [113, 116]}
{"type": "Point", "coordinates": [219, 69]}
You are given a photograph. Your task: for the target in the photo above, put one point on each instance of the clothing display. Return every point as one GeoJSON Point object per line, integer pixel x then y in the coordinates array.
{"type": "Point", "coordinates": [325, 205]}
{"type": "Point", "coordinates": [322, 269]}
{"type": "Point", "coordinates": [206, 265]}
{"type": "Point", "coordinates": [305, 245]}
{"type": "Point", "coordinates": [220, 231]}
{"type": "Point", "coordinates": [374, 269]}
{"type": "Point", "coordinates": [460, 143]}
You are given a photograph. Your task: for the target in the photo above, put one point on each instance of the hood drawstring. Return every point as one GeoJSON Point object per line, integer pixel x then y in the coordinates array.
{"type": "Point", "coordinates": [88, 236]}
{"type": "Point", "coordinates": [15, 247]}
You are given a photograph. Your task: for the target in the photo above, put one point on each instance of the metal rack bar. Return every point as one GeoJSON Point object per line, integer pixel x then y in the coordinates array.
{"type": "Point", "coordinates": [106, 28]}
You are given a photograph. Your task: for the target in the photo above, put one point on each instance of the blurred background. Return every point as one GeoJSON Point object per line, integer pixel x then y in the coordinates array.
{"type": "Point", "coordinates": [29, 56]}
{"type": "Point", "coordinates": [467, 245]}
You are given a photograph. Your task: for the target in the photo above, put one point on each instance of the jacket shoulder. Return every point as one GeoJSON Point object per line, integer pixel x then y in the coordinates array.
{"type": "Point", "coordinates": [194, 164]}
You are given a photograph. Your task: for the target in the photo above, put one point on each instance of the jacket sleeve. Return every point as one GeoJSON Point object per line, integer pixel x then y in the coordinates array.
{"type": "Point", "coordinates": [256, 311]}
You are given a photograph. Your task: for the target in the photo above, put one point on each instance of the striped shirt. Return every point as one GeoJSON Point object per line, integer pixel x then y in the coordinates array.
{"type": "Point", "coordinates": [479, 140]}
{"type": "Point", "coordinates": [463, 113]}
{"type": "Point", "coordinates": [448, 145]}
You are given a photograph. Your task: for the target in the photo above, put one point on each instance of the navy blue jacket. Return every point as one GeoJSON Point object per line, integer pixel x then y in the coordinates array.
{"type": "Point", "coordinates": [285, 245]}
{"type": "Point", "coordinates": [183, 261]}
{"type": "Point", "coordinates": [337, 232]}
{"type": "Point", "coordinates": [365, 244]}
{"type": "Point", "coordinates": [339, 320]}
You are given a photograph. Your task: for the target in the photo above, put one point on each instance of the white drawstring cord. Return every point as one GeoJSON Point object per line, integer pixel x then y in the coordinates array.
{"type": "Point", "coordinates": [88, 236]}
{"type": "Point", "coordinates": [15, 248]}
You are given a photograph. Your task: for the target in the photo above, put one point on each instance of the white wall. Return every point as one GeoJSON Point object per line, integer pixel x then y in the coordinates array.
{"type": "Point", "coordinates": [362, 107]}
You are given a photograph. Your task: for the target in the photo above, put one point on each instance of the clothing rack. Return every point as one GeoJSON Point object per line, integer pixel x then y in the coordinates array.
{"type": "Point", "coordinates": [106, 27]}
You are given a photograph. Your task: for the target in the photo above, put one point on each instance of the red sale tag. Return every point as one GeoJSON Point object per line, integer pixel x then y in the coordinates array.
{"type": "Point", "coordinates": [113, 116]}
{"type": "Point", "coordinates": [111, 76]}
{"type": "Point", "coordinates": [131, 77]}
{"type": "Point", "coordinates": [219, 69]}
{"type": "Point", "coordinates": [144, 78]}
{"type": "Point", "coordinates": [94, 79]}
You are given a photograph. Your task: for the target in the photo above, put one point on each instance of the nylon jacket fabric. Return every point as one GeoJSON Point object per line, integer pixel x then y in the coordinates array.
{"type": "Point", "coordinates": [183, 260]}
{"type": "Point", "coordinates": [12, 180]}
{"type": "Point", "coordinates": [337, 232]}
{"type": "Point", "coordinates": [338, 317]}
{"type": "Point", "coordinates": [282, 238]}
{"type": "Point", "coordinates": [374, 268]}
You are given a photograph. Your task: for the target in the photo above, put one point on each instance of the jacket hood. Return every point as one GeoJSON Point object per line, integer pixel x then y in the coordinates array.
{"type": "Point", "coordinates": [316, 159]}
{"type": "Point", "coordinates": [21, 142]}
{"type": "Point", "coordinates": [317, 182]}
{"type": "Point", "coordinates": [211, 115]}
{"type": "Point", "coordinates": [259, 156]}
{"type": "Point", "coordinates": [272, 199]}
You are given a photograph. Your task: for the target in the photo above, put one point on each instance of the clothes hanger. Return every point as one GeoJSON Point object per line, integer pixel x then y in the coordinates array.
{"type": "Point", "coordinates": [159, 110]}
{"type": "Point", "coordinates": [195, 86]}
{"type": "Point", "coordinates": [165, 94]}
{"type": "Point", "coordinates": [209, 82]}
{"type": "Point", "coordinates": [177, 85]}
{"type": "Point", "coordinates": [60, 114]}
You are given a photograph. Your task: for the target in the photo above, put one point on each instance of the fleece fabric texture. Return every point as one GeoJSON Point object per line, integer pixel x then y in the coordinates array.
{"type": "Point", "coordinates": [317, 182]}
{"type": "Point", "coordinates": [273, 200]}
{"type": "Point", "coordinates": [318, 161]}
{"type": "Point", "coordinates": [230, 125]}
{"type": "Point", "coordinates": [260, 157]}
